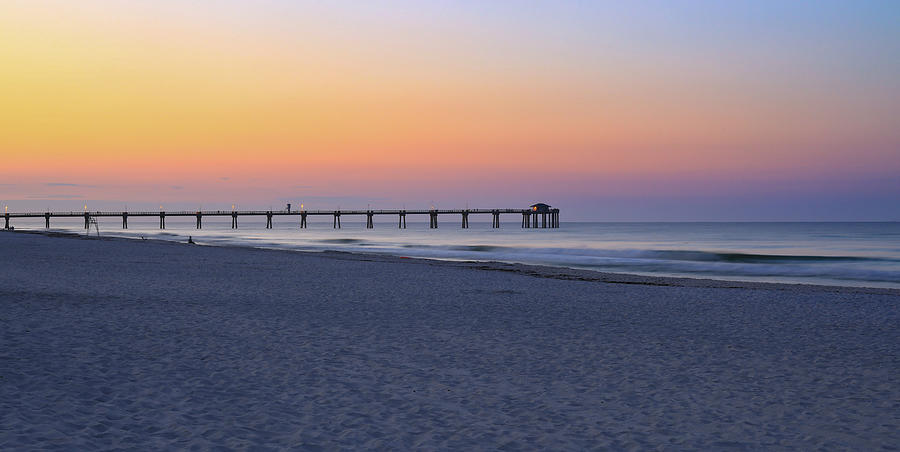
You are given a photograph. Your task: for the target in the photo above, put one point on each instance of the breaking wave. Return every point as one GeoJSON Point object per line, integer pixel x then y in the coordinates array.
{"type": "Point", "coordinates": [696, 263]}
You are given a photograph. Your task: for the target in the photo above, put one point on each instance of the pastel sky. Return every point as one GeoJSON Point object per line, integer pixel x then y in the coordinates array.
{"type": "Point", "coordinates": [668, 110]}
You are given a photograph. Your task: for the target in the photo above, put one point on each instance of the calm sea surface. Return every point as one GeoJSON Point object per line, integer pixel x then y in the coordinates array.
{"type": "Point", "coordinates": [851, 254]}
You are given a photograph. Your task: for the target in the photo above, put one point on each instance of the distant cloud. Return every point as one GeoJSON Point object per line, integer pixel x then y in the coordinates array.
{"type": "Point", "coordinates": [332, 201]}
{"type": "Point", "coordinates": [65, 184]}
{"type": "Point", "coordinates": [58, 196]}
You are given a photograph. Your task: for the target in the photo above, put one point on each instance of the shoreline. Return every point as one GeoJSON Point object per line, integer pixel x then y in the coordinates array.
{"type": "Point", "coordinates": [538, 271]}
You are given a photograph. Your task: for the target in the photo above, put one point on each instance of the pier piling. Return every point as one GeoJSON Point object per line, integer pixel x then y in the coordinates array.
{"type": "Point", "coordinates": [370, 224]}
{"type": "Point", "coordinates": [47, 220]}
{"type": "Point", "coordinates": [337, 220]}
{"type": "Point", "coordinates": [162, 220]}
{"type": "Point", "coordinates": [7, 220]}
{"type": "Point", "coordinates": [303, 220]}
{"type": "Point", "coordinates": [434, 224]}
{"type": "Point", "coordinates": [87, 220]}
{"type": "Point", "coordinates": [269, 220]}
{"type": "Point", "coordinates": [124, 220]}
{"type": "Point", "coordinates": [402, 222]}
{"type": "Point", "coordinates": [234, 220]}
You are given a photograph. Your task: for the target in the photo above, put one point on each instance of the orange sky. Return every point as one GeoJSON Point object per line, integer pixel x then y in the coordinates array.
{"type": "Point", "coordinates": [109, 93]}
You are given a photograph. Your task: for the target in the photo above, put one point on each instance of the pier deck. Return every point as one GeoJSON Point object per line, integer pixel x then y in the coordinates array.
{"type": "Point", "coordinates": [531, 218]}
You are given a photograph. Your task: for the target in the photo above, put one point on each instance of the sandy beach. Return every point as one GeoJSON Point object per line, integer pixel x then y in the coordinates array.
{"type": "Point", "coordinates": [116, 343]}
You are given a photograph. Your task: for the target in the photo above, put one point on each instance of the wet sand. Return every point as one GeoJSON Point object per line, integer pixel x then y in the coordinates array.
{"type": "Point", "coordinates": [145, 344]}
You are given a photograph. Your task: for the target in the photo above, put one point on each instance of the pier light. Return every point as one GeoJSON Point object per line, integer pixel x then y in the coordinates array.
{"type": "Point", "coordinates": [232, 207]}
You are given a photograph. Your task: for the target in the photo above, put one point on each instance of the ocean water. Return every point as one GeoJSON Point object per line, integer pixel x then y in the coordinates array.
{"type": "Point", "coordinates": [847, 254]}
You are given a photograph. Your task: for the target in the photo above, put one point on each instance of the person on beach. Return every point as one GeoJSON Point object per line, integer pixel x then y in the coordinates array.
{"type": "Point", "coordinates": [191, 240]}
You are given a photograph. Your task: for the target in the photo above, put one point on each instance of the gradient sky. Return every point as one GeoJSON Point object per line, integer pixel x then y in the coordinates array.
{"type": "Point", "coordinates": [663, 110]}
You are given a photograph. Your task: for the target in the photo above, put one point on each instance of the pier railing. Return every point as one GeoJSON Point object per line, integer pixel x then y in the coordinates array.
{"type": "Point", "coordinates": [531, 218]}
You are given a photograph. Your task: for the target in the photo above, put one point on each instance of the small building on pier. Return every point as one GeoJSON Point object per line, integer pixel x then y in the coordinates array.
{"type": "Point", "coordinates": [540, 215]}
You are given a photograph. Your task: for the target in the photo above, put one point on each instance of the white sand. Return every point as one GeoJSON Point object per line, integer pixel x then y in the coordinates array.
{"type": "Point", "coordinates": [150, 345]}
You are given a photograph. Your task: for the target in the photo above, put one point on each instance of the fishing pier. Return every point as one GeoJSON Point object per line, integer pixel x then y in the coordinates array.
{"type": "Point", "coordinates": [536, 216]}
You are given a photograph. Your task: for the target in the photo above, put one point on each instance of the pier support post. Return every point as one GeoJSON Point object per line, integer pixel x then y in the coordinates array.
{"type": "Point", "coordinates": [124, 220]}
{"type": "Point", "coordinates": [303, 220]}
{"type": "Point", "coordinates": [402, 222]}
{"type": "Point", "coordinates": [162, 220]}
{"type": "Point", "coordinates": [496, 219]}
{"type": "Point", "coordinates": [199, 220]}
{"type": "Point", "coordinates": [434, 223]}
{"type": "Point", "coordinates": [6, 216]}
{"type": "Point", "coordinates": [337, 220]}
{"type": "Point", "coordinates": [47, 220]}
{"type": "Point", "coordinates": [87, 220]}
{"type": "Point", "coordinates": [369, 223]}
{"type": "Point", "coordinates": [233, 220]}
{"type": "Point", "coordinates": [269, 220]}
{"type": "Point", "coordinates": [465, 219]}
